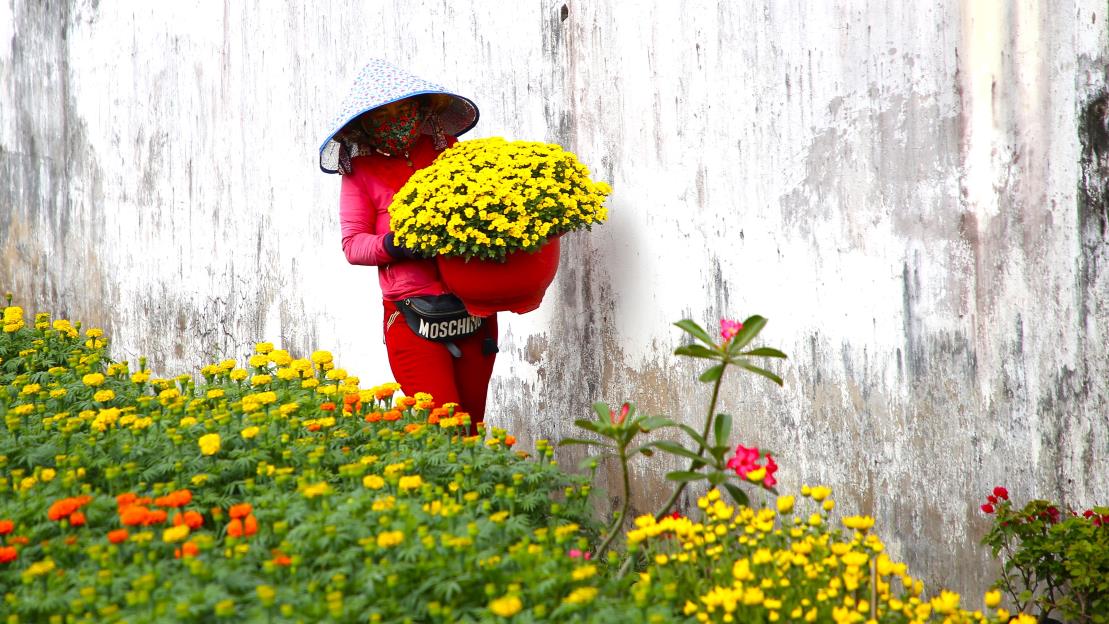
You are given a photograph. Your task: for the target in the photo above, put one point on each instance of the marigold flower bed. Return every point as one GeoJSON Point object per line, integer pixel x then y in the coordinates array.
{"type": "Point", "coordinates": [283, 491]}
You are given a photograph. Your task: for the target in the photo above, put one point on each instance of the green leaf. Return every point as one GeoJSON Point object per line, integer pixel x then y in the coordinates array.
{"type": "Point", "coordinates": [684, 476]}
{"type": "Point", "coordinates": [760, 371]}
{"type": "Point", "coordinates": [697, 351]}
{"type": "Point", "coordinates": [722, 428]}
{"type": "Point", "coordinates": [696, 331]}
{"type": "Point", "coordinates": [764, 352]}
{"type": "Point", "coordinates": [587, 424]}
{"type": "Point", "coordinates": [603, 412]}
{"type": "Point", "coordinates": [651, 423]}
{"type": "Point", "coordinates": [572, 441]}
{"type": "Point", "coordinates": [738, 495]}
{"type": "Point", "coordinates": [677, 449]}
{"type": "Point", "coordinates": [717, 477]}
{"type": "Point", "coordinates": [751, 328]}
{"type": "Point", "coordinates": [712, 374]}
{"type": "Point", "coordinates": [694, 434]}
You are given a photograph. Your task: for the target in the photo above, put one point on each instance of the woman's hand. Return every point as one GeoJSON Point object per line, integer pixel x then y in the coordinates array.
{"type": "Point", "coordinates": [398, 252]}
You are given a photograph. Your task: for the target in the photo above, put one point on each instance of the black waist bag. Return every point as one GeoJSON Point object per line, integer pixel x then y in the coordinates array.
{"type": "Point", "coordinates": [442, 318]}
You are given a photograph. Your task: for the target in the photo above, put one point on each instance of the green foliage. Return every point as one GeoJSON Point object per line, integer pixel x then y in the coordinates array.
{"type": "Point", "coordinates": [1055, 561]}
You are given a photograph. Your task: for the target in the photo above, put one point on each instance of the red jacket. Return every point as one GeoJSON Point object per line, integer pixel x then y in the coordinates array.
{"type": "Point", "coordinates": [364, 217]}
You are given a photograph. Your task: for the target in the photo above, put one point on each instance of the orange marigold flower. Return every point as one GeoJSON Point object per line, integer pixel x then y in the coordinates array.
{"type": "Point", "coordinates": [63, 508]}
{"type": "Point", "coordinates": [406, 401]}
{"type": "Point", "coordinates": [22, 540]}
{"type": "Point", "coordinates": [282, 560]}
{"type": "Point", "coordinates": [433, 419]}
{"type": "Point", "coordinates": [77, 519]}
{"type": "Point", "coordinates": [117, 536]}
{"type": "Point", "coordinates": [373, 417]}
{"type": "Point", "coordinates": [70, 540]}
{"type": "Point", "coordinates": [509, 440]}
{"type": "Point", "coordinates": [328, 406]}
{"type": "Point", "coordinates": [126, 500]}
{"type": "Point", "coordinates": [235, 528]}
{"type": "Point", "coordinates": [8, 554]}
{"type": "Point", "coordinates": [180, 498]}
{"type": "Point", "coordinates": [133, 515]}
{"type": "Point", "coordinates": [241, 510]}
{"type": "Point", "coordinates": [217, 513]}
{"type": "Point", "coordinates": [352, 403]}
{"type": "Point", "coordinates": [155, 516]}
{"type": "Point", "coordinates": [424, 405]}
{"type": "Point", "coordinates": [392, 415]}
{"type": "Point", "coordinates": [250, 525]}
{"type": "Point", "coordinates": [312, 426]}
{"type": "Point", "coordinates": [411, 427]}
{"type": "Point", "coordinates": [194, 520]}
{"type": "Point", "coordinates": [6, 526]}
{"type": "Point", "coordinates": [188, 549]}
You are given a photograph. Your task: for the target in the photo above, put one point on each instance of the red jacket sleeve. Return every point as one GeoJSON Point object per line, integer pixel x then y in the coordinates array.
{"type": "Point", "coordinates": [362, 244]}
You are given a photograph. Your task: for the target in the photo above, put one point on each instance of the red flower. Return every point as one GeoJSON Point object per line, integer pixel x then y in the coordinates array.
{"type": "Point", "coordinates": [133, 515]}
{"type": "Point", "coordinates": [8, 554]}
{"type": "Point", "coordinates": [987, 508]}
{"type": "Point", "coordinates": [6, 526]}
{"type": "Point", "coordinates": [241, 510]}
{"type": "Point", "coordinates": [188, 549]}
{"type": "Point", "coordinates": [180, 498]}
{"type": "Point", "coordinates": [117, 536]}
{"type": "Point", "coordinates": [1001, 493]}
{"type": "Point", "coordinates": [991, 499]}
{"type": "Point", "coordinates": [619, 419]}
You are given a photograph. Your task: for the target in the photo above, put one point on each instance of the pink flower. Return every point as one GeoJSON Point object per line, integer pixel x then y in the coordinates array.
{"type": "Point", "coordinates": [729, 328]}
{"type": "Point", "coordinates": [619, 420]}
{"type": "Point", "coordinates": [577, 554]}
{"type": "Point", "coordinates": [745, 460]}
{"type": "Point", "coordinates": [771, 468]}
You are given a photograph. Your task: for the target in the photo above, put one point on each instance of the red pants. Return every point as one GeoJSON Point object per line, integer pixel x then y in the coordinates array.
{"type": "Point", "coordinates": [421, 365]}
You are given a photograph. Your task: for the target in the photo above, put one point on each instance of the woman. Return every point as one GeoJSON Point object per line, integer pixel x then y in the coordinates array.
{"type": "Point", "coordinates": [393, 124]}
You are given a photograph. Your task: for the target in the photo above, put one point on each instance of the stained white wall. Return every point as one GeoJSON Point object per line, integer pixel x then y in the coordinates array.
{"type": "Point", "coordinates": [913, 193]}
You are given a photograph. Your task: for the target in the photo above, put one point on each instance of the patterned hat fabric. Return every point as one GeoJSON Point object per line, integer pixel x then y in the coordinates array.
{"type": "Point", "coordinates": [380, 83]}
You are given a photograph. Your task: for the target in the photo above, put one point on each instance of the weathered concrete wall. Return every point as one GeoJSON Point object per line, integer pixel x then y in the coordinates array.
{"type": "Point", "coordinates": [914, 193]}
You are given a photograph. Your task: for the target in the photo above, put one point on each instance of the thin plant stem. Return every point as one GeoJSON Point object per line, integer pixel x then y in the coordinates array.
{"type": "Point", "coordinates": [624, 569]}
{"type": "Point", "coordinates": [618, 521]}
{"type": "Point", "coordinates": [693, 465]}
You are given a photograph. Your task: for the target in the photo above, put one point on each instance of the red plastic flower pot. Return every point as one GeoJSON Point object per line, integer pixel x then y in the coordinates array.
{"type": "Point", "coordinates": [515, 285]}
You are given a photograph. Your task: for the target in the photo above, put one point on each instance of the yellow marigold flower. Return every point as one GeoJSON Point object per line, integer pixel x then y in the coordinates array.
{"type": "Point", "coordinates": [175, 534]}
{"type": "Point", "coordinates": [373, 482]}
{"type": "Point", "coordinates": [336, 374]}
{"type": "Point", "coordinates": [992, 598]}
{"type": "Point", "coordinates": [93, 379]}
{"type": "Point", "coordinates": [859, 523]}
{"type": "Point", "coordinates": [47, 475]}
{"type": "Point", "coordinates": [818, 493]}
{"type": "Point", "coordinates": [581, 595]}
{"type": "Point", "coordinates": [209, 444]}
{"type": "Point", "coordinates": [785, 504]}
{"type": "Point", "coordinates": [249, 432]}
{"type": "Point", "coordinates": [187, 421]}
{"type": "Point", "coordinates": [103, 396]}
{"type": "Point", "coordinates": [260, 380]}
{"type": "Point", "coordinates": [316, 489]}
{"type": "Point", "coordinates": [584, 572]}
{"type": "Point", "coordinates": [506, 606]}
{"type": "Point", "coordinates": [410, 482]}
{"type": "Point", "coordinates": [215, 393]}
{"type": "Point", "coordinates": [140, 377]}
{"type": "Point", "coordinates": [258, 361]}
{"type": "Point", "coordinates": [238, 374]}
{"type": "Point", "coordinates": [321, 357]}
{"type": "Point", "coordinates": [263, 348]}
{"type": "Point", "coordinates": [310, 383]}
{"type": "Point", "coordinates": [287, 374]}
{"type": "Point", "coordinates": [57, 393]}
{"type": "Point", "coordinates": [94, 332]}
{"type": "Point", "coordinates": [287, 409]}
{"type": "Point", "coordinates": [280, 357]}
{"type": "Point", "coordinates": [389, 539]}
{"type": "Point", "coordinates": [31, 389]}
{"type": "Point", "coordinates": [756, 475]}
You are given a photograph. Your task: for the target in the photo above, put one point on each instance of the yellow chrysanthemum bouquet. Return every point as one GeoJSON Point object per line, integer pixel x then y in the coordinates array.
{"type": "Point", "coordinates": [487, 198]}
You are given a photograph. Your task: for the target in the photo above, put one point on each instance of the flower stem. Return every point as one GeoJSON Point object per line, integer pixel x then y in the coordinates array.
{"type": "Point", "coordinates": [700, 450]}
{"type": "Point", "coordinates": [618, 521]}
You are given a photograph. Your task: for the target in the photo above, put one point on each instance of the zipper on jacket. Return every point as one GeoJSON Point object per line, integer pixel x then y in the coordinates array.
{"type": "Point", "coordinates": [408, 302]}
